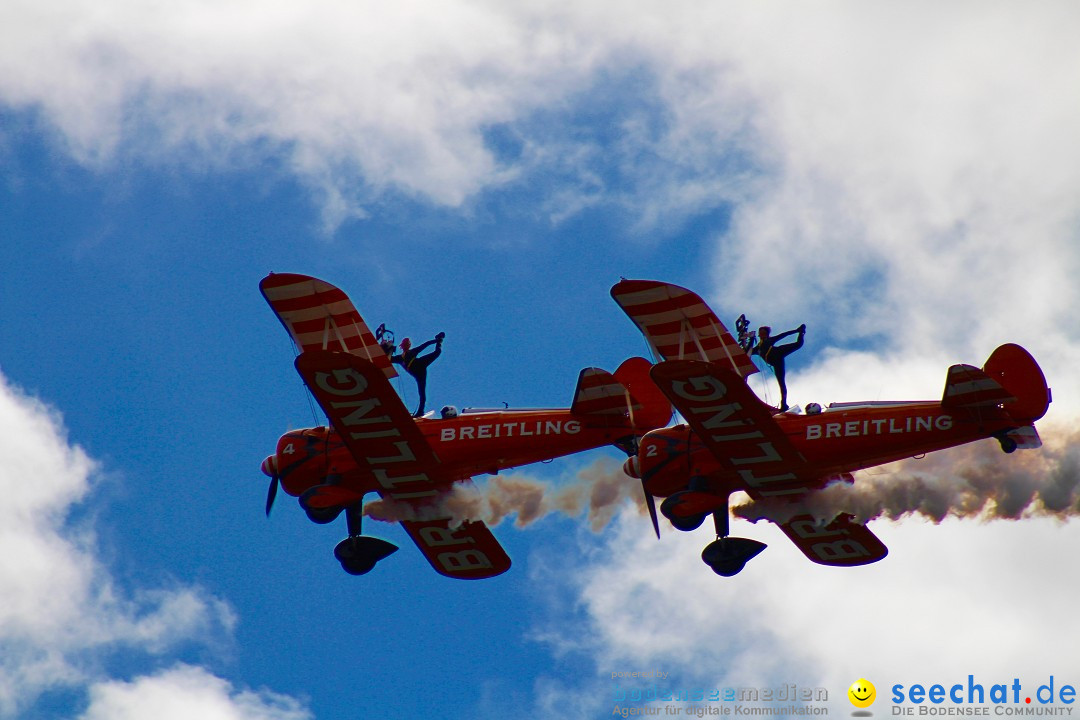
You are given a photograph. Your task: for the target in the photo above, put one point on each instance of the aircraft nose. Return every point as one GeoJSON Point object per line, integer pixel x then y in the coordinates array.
{"type": "Point", "coordinates": [269, 466]}
{"type": "Point", "coordinates": [630, 467]}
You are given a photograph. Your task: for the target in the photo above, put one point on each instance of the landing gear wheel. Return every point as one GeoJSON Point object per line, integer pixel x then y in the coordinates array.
{"type": "Point", "coordinates": [728, 556]}
{"type": "Point", "coordinates": [1008, 445]}
{"type": "Point", "coordinates": [358, 555]}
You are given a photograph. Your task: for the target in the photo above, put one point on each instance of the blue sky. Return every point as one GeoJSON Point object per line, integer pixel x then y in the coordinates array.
{"type": "Point", "coordinates": [911, 194]}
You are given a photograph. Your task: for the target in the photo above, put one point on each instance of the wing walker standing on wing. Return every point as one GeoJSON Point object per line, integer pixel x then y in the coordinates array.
{"type": "Point", "coordinates": [410, 359]}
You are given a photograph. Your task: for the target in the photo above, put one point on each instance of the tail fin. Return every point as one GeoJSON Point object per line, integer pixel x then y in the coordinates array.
{"type": "Point", "coordinates": [1013, 368]}
{"type": "Point", "coordinates": [630, 389]}
{"type": "Point", "coordinates": [655, 409]}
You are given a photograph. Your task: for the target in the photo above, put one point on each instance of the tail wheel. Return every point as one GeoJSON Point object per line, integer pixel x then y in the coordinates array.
{"type": "Point", "coordinates": [1008, 445]}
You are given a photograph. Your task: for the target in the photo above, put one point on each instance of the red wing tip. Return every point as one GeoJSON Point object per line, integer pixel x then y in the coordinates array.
{"type": "Point", "coordinates": [279, 279]}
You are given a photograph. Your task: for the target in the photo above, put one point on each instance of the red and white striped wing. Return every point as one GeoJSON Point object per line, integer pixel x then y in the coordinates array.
{"type": "Point", "coordinates": [679, 325]}
{"type": "Point", "coordinates": [319, 316]}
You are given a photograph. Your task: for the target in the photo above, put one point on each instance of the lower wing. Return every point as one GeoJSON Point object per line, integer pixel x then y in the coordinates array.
{"type": "Point", "coordinates": [841, 543]}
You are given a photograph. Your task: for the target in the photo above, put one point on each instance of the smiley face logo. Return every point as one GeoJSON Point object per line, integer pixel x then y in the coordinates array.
{"type": "Point", "coordinates": [862, 693]}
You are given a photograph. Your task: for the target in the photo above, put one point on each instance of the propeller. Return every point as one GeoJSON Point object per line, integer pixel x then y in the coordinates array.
{"type": "Point", "coordinates": [629, 445]}
{"type": "Point", "coordinates": [651, 502]}
{"type": "Point", "coordinates": [269, 467]}
{"type": "Point", "coordinates": [271, 493]}
{"type": "Point", "coordinates": [630, 467]}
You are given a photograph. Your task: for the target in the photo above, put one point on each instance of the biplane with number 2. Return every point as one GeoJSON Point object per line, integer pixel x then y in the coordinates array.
{"type": "Point", "coordinates": [373, 445]}
{"type": "Point", "coordinates": [730, 440]}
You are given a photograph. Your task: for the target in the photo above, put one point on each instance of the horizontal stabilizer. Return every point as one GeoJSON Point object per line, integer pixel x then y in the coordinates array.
{"type": "Point", "coordinates": [599, 393]}
{"type": "Point", "coordinates": [1026, 438]}
{"type": "Point", "coordinates": [967, 386]}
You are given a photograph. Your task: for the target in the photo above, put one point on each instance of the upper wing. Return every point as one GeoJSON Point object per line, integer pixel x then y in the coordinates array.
{"type": "Point", "coordinates": [741, 434]}
{"type": "Point", "coordinates": [319, 316]}
{"type": "Point", "coordinates": [384, 439]}
{"type": "Point", "coordinates": [678, 324]}
{"type": "Point", "coordinates": [735, 425]}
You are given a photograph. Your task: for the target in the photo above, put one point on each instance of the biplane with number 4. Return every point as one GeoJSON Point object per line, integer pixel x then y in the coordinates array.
{"type": "Point", "coordinates": [731, 440]}
{"type": "Point", "coordinates": [373, 445]}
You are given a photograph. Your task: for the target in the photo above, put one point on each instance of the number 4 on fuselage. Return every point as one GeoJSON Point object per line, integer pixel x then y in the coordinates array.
{"type": "Point", "coordinates": [731, 440]}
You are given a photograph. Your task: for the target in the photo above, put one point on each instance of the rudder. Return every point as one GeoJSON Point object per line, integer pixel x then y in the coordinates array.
{"type": "Point", "coordinates": [630, 391]}
{"type": "Point", "coordinates": [656, 408]}
{"type": "Point", "coordinates": [1016, 370]}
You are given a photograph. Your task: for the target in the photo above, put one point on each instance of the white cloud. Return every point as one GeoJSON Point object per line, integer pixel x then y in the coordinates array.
{"type": "Point", "coordinates": [353, 94]}
{"type": "Point", "coordinates": [922, 180]}
{"type": "Point", "coordinates": [908, 175]}
{"type": "Point", "coordinates": [62, 612]}
{"type": "Point", "coordinates": [185, 692]}
{"type": "Point", "coordinates": [932, 139]}
{"type": "Point", "coordinates": [905, 176]}
{"type": "Point", "coordinates": [990, 599]}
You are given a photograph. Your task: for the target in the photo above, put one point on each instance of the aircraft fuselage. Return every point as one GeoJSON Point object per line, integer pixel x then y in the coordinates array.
{"type": "Point", "coordinates": [839, 440]}
{"type": "Point", "coordinates": [471, 444]}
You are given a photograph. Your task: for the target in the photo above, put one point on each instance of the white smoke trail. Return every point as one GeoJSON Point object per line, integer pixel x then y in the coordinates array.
{"type": "Point", "coordinates": [597, 491]}
{"type": "Point", "coordinates": [972, 481]}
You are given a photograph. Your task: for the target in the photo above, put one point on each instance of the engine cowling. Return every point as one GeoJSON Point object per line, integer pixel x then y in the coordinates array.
{"type": "Point", "coordinates": [662, 460]}
{"type": "Point", "coordinates": [302, 460]}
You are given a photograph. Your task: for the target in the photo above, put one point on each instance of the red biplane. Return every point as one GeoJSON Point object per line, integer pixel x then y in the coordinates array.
{"type": "Point", "coordinates": [731, 440]}
{"type": "Point", "coordinates": [373, 444]}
